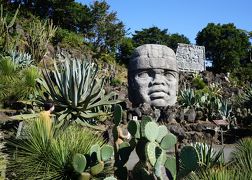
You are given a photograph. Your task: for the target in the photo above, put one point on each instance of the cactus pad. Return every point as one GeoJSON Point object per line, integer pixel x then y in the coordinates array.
{"type": "Point", "coordinates": [134, 128]}
{"type": "Point", "coordinates": [143, 123]}
{"type": "Point", "coordinates": [152, 152]}
{"type": "Point", "coordinates": [117, 114]}
{"type": "Point", "coordinates": [168, 141]}
{"type": "Point", "coordinates": [106, 152]}
{"type": "Point", "coordinates": [151, 131]}
{"type": "Point", "coordinates": [79, 163]}
{"type": "Point", "coordinates": [115, 133]}
{"type": "Point", "coordinates": [170, 164]}
{"type": "Point", "coordinates": [85, 176]}
{"type": "Point", "coordinates": [98, 168]}
{"type": "Point", "coordinates": [95, 152]}
{"type": "Point", "coordinates": [124, 152]}
{"type": "Point", "coordinates": [189, 158]}
{"type": "Point", "coordinates": [162, 131]}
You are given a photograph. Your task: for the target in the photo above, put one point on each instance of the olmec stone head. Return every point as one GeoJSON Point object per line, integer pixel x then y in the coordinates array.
{"type": "Point", "coordinates": [153, 76]}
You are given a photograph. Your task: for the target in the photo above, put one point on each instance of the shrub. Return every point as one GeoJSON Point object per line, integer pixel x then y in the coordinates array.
{"type": "Point", "coordinates": [68, 39]}
{"type": "Point", "coordinates": [43, 155]}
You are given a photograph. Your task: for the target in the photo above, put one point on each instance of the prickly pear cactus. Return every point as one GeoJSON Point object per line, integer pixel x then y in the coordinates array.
{"type": "Point", "coordinates": [117, 114]}
{"type": "Point", "coordinates": [189, 160]}
{"type": "Point", "coordinates": [152, 142]}
{"type": "Point", "coordinates": [79, 163]}
{"type": "Point", "coordinates": [98, 156]}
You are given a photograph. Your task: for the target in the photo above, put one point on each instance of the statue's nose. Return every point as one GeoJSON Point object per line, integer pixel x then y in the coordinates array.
{"type": "Point", "coordinates": [158, 79]}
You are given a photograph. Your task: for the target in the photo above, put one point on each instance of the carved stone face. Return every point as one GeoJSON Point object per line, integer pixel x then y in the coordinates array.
{"type": "Point", "coordinates": [153, 80]}
{"type": "Point", "coordinates": [157, 87]}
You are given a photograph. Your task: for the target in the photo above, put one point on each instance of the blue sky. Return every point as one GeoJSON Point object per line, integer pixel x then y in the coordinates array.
{"type": "Point", "coordinates": [186, 17]}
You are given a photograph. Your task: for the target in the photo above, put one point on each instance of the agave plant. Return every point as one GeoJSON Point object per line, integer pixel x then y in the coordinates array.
{"type": "Point", "coordinates": [21, 59]}
{"type": "Point", "coordinates": [225, 110]}
{"type": "Point", "coordinates": [187, 97]}
{"type": "Point", "coordinates": [77, 91]}
{"type": "Point", "coordinates": [208, 157]}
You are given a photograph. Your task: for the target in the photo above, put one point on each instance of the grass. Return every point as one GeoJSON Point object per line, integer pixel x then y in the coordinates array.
{"type": "Point", "coordinates": [44, 155]}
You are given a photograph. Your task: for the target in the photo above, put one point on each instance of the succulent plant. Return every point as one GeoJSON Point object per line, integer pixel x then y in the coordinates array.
{"type": "Point", "coordinates": [189, 160]}
{"type": "Point", "coordinates": [21, 59]}
{"type": "Point", "coordinates": [79, 163]}
{"type": "Point", "coordinates": [77, 91]}
{"type": "Point", "coordinates": [98, 156]}
{"type": "Point", "coordinates": [151, 142]}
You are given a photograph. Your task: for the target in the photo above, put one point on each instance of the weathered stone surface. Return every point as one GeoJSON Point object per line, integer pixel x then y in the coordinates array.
{"type": "Point", "coordinates": [153, 76]}
{"type": "Point", "coordinates": [177, 130]}
{"type": "Point", "coordinates": [190, 57]}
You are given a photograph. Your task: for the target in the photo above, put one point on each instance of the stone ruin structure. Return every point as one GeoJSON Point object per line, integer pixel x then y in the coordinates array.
{"type": "Point", "coordinates": [153, 76]}
{"type": "Point", "coordinates": [190, 58]}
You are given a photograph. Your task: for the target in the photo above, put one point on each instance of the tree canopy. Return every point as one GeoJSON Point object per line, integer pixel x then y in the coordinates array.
{"type": "Point", "coordinates": [226, 46]}
{"type": "Point", "coordinates": [154, 35]}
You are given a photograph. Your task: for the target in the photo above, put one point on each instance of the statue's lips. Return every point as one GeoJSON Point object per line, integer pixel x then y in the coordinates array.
{"type": "Point", "coordinates": [156, 93]}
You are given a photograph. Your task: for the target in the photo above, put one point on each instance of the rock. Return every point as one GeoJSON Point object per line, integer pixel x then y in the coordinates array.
{"type": "Point", "coordinates": [177, 130]}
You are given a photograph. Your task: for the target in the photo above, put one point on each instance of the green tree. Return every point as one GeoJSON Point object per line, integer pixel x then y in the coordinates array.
{"type": "Point", "coordinates": [176, 38]}
{"type": "Point", "coordinates": [154, 35]}
{"type": "Point", "coordinates": [106, 31]}
{"type": "Point", "coordinates": [226, 46]}
{"type": "Point", "coordinates": [125, 50]}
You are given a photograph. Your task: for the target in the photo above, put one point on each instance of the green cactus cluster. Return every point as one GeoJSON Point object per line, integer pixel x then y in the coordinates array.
{"type": "Point", "coordinates": [92, 164]}
{"type": "Point", "coordinates": [151, 142]}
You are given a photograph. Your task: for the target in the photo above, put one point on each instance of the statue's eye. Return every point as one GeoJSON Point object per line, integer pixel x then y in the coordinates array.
{"type": "Point", "coordinates": [143, 74]}
{"type": "Point", "coordinates": [169, 74]}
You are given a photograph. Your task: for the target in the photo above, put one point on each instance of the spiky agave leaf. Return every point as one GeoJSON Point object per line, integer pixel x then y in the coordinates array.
{"type": "Point", "coordinates": [74, 86]}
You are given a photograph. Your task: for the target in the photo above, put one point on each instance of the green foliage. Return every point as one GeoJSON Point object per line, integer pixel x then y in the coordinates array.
{"type": "Point", "coordinates": [106, 30]}
{"type": "Point", "coordinates": [108, 58]}
{"type": "Point", "coordinates": [46, 155]}
{"type": "Point", "coordinates": [39, 36]}
{"type": "Point", "coordinates": [106, 152]}
{"type": "Point", "coordinates": [176, 38]}
{"type": "Point", "coordinates": [21, 59]}
{"type": "Point", "coordinates": [225, 45]}
{"type": "Point", "coordinates": [243, 73]}
{"type": "Point", "coordinates": [154, 35]}
{"type": "Point", "coordinates": [198, 82]}
{"type": "Point", "coordinates": [5, 28]}
{"type": "Point", "coordinates": [238, 168]}
{"type": "Point", "coordinates": [68, 39]}
{"type": "Point", "coordinates": [17, 82]}
{"type": "Point", "coordinates": [77, 91]}
{"type": "Point", "coordinates": [98, 158]}
{"type": "Point", "coordinates": [208, 157]}
{"type": "Point", "coordinates": [125, 50]}
{"type": "Point", "coordinates": [242, 155]}
{"type": "Point", "coordinates": [115, 82]}
{"type": "Point", "coordinates": [187, 97]}
{"type": "Point", "coordinates": [3, 159]}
